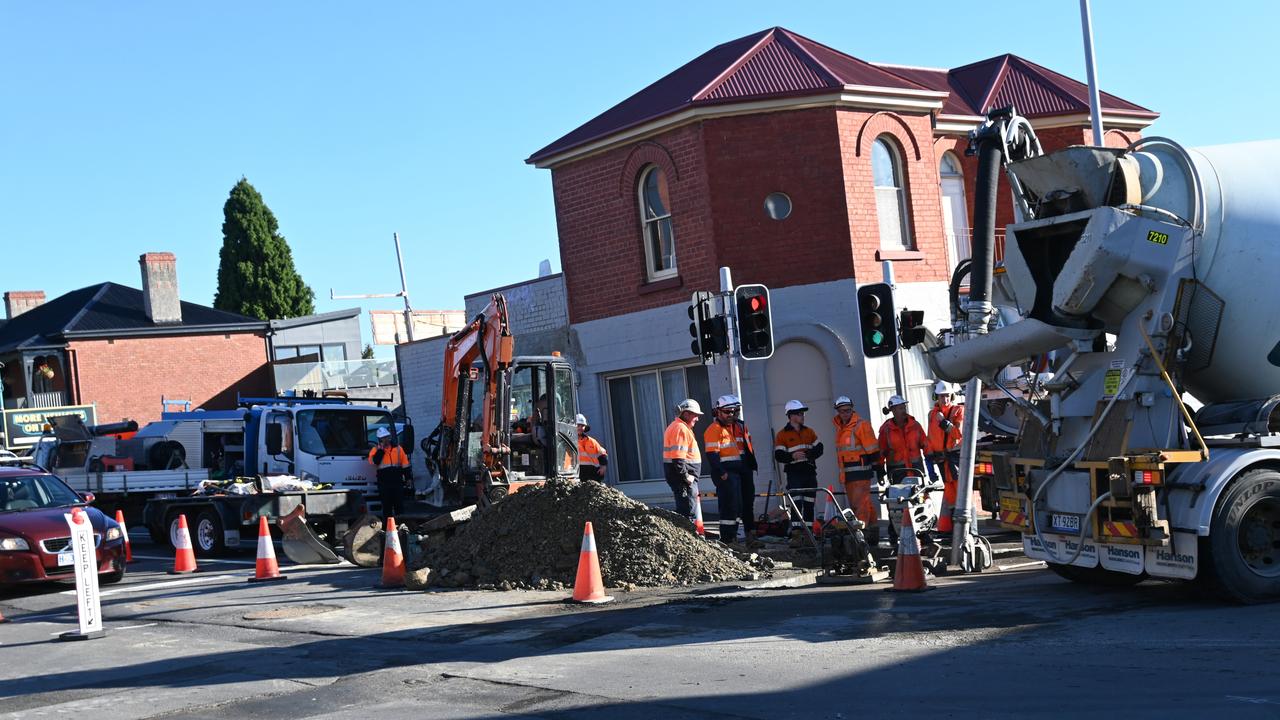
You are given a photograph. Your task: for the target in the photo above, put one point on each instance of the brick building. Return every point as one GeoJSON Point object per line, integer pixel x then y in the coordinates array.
{"type": "Point", "coordinates": [797, 166]}
{"type": "Point", "coordinates": [123, 349]}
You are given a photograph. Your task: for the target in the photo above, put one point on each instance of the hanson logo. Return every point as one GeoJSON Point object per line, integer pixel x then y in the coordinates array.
{"type": "Point", "coordinates": [1123, 553]}
{"type": "Point", "coordinates": [1171, 557]}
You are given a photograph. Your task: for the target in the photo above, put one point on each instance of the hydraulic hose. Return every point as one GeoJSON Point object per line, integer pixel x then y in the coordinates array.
{"type": "Point", "coordinates": [984, 215]}
{"type": "Point", "coordinates": [963, 268]}
{"type": "Point", "coordinates": [1084, 522]}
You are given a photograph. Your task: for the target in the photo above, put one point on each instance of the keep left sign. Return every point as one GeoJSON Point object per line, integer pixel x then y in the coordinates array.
{"type": "Point", "coordinates": [85, 554]}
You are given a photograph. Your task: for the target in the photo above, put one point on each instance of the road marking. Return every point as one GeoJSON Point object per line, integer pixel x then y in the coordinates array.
{"type": "Point", "coordinates": [203, 560]}
{"type": "Point", "coordinates": [1252, 700]}
{"type": "Point", "coordinates": [135, 627]}
{"type": "Point", "coordinates": [1016, 566]}
{"type": "Point", "coordinates": [154, 586]}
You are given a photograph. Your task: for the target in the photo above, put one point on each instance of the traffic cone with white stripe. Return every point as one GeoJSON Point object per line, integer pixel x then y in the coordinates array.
{"type": "Point", "coordinates": [184, 559]}
{"type": "Point", "coordinates": [588, 587]}
{"type": "Point", "coordinates": [818, 522]}
{"type": "Point", "coordinates": [697, 511]}
{"type": "Point", "coordinates": [908, 575]}
{"type": "Point", "coordinates": [392, 558]}
{"type": "Point", "coordinates": [266, 568]}
{"type": "Point", "coordinates": [124, 532]}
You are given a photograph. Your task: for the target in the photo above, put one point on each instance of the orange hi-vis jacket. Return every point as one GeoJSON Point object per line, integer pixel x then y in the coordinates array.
{"type": "Point", "coordinates": [902, 445]}
{"type": "Point", "coordinates": [945, 440]}
{"type": "Point", "coordinates": [726, 444]}
{"type": "Point", "coordinates": [680, 448]}
{"type": "Point", "coordinates": [854, 441]}
{"type": "Point", "coordinates": [591, 452]}
{"type": "Point", "coordinates": [393, 456]}
{"type": "Point", "coordinates": [790, 440]}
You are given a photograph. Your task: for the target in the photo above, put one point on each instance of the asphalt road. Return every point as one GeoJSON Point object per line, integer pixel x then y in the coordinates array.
{"type": "Point", "coordinates": [1012, 643]}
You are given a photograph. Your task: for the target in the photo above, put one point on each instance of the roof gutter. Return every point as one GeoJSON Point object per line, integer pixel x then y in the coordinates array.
{"type": "Point", "coordinates": [169, 330]}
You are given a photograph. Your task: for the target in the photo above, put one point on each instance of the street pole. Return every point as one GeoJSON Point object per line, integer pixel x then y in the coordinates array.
{"type": "Point", "coordinates": [731, 312]}
{"type": "Point", "coordinates": [404, 293]}
{"type": "Point", "coordinates": [898, 371]}
{"type": "Point", "coordinates": [962, 535]}
{"type": "Point", "coordinates": [1091, 70]}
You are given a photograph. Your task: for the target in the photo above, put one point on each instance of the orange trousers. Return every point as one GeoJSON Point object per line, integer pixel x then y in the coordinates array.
{"type": "Point", "coordinates": [858, 493]}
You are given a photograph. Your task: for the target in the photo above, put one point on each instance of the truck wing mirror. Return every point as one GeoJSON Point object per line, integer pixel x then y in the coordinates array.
{"type": "Point", "coordinates": [275, 438]}
{"type": "Point", "coordinates": [406, 438]}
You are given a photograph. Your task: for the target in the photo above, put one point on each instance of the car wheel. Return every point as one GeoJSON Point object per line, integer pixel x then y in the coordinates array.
{"type": "Point", "coordinates": [207, 537]}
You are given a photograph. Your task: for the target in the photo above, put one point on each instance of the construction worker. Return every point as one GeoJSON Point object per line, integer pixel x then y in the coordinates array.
{"type": "Point", "coordinates": [393, 471]}
{"type": "Point", "coordinates": [945, 421]}
{"type": "Point", "coordinates": [858, 453]}
{"type": "Point", "coordinates": [903, 443]}
{"type": "Point", "coordinates": [797, 449]}
{"type": "Point", "coordinates": [681, 459]}
{"type": "Point", "coordinates": [593, 461]}
{"type": "Point", "coordinates": [732, 463]}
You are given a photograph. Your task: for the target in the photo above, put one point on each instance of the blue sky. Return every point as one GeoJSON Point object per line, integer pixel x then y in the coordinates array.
{"type": "Point", "coordinates": [125, 125]}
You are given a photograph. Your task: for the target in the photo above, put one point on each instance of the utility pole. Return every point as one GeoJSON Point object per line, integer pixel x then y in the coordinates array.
{"type": "Point", "coordinates": [1091, 69]}
{"type": "Point", "coordinates": [731, 312]}
{"type": "Point", "coordinates": [404, 293]}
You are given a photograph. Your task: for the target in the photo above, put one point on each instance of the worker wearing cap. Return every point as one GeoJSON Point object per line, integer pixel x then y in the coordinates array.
{"type": "Point", "coordinates": [858, 452]}
{"type": "Point", "coordinates": [945, 420]}
{"type": "Point", "coordinates": [393, 470]}
{"type": "Point", "coordinates": [903, 443]}
{"type": "Point", "coordinates": [732, 463]}
{"type": "Point", "coordinates": [593, 461]}
{"type": "Point", "coordinates": [681, 459]}
{"type": "Point", "coordinates": [797, 449]}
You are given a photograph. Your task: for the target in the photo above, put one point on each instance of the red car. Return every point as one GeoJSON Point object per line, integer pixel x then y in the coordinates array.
{"type": "Point", "coordinates": [34, 537]}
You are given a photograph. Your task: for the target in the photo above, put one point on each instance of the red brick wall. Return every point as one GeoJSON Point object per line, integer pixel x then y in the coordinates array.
{"type": "Point", "coordinates": [127, 377]}
{"type": "Point", "coordinates": [598, 219]}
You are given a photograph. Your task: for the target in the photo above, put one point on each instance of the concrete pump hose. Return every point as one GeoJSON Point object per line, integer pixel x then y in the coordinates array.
{"type": "Point", "coordinates": [1084, 522]}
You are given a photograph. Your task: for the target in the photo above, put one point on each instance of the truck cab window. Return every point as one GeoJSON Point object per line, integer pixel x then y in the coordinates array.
{"type": "Point", "coordinates": [339, 431]}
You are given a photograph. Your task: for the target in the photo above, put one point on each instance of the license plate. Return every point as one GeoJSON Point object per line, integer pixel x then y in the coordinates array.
{"type": "Point", "coordinates": [66, 558]}
{"type": "Point", "coordinates": [1065, 522]}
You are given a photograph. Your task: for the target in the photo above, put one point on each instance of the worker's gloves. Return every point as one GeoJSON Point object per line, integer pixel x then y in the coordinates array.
{"type": "Point", "coordinates": [690, 479]}
{"type": "Point", "coordinates": [946, 425]}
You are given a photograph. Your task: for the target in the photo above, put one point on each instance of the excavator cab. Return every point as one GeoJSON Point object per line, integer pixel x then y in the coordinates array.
{"type": "Point", "coordinates": [539, 395]}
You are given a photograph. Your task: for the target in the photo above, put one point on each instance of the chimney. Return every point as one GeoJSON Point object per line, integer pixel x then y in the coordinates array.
{"type": "Point", "coordinates": [160, 288]}
{"type": "Point", "coordinates": [17, 302]}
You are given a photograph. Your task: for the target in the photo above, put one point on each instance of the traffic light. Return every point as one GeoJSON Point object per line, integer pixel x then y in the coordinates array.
{"type": "Point", "coordinates": [755, 322]}
{"type": "Point", "coordinates": [875, 317]}
{"type": "Point", "coordinates": [911, 327]}
{"type": "Point", "coordinates": [699, 310]}
{"type": "Point", "coordinates": [710, 332]}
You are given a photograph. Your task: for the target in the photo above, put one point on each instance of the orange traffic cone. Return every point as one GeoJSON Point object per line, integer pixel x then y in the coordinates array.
{"type": "Point", "coordinates": [3, 619]}
{"type": "Point", "coordinates": [588, 587]}
{"type": "Point", "coordinates": [184, 560]}
{"type": "Point", "coordinates": [697, 511]}
{"type": "Point", "coordinates": [124, 532]}
{"type": "Point", "coordinates": [392, 558]}
{"type": "Point", "coordinates": [818, 522]}
{"type": "Point", "coordinates": [267, 567]}
{"type": "Point", "coordinates": [908, 576]}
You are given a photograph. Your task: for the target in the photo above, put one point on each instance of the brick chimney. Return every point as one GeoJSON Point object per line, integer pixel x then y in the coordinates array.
{"type": "Point", "coordinates": [17, 302]}
{"type": "Point", "coordinates": [160, 288]}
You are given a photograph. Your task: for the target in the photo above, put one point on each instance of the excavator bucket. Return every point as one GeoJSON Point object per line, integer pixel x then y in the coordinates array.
{"type": "Point", "coordinates": [301, 544]}
{"type": "Point", "coordinates": [362, 545]}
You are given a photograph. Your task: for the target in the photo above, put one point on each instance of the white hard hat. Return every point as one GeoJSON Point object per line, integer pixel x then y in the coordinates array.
{"type": "Point", "coordinates": [842, 400]}
{"type": "Point", "coordinates": [942, 388]}
{"type": "Point", "coordinates": [580, 420]}
{"type": "Point", "coordinates": [727, 401]}
{"type": "Point", "coordinates": [383, 432]}
{"type": "Point", "coordinates": [896, 400]}
{"type": "Point", "coordinates": [689, 405]}
{"type": "Point", "coordinates": [795, 406]}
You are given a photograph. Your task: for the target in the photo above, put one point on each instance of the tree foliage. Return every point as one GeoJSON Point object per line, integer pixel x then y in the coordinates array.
{"type": "Point", "coordinates": [367, 353]}
{"type": "Point", "coordinates": [256, 276]}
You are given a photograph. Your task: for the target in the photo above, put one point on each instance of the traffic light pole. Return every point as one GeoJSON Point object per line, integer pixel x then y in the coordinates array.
{"type": "Point", "coordinates": [898, 371]}
{"type": "Point", "coordinates": [731, 312]}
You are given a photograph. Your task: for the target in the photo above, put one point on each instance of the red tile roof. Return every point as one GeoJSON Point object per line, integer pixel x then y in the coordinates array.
{"type": "Point", "coordinates": [779, 63]}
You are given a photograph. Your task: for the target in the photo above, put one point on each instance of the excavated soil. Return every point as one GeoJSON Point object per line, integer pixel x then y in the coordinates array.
{"type": "Point", "coordinates": [533, 538]}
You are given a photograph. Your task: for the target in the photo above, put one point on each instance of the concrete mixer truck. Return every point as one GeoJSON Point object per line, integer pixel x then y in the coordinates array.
{"type": "Point", "coordinates": [1144, 273]}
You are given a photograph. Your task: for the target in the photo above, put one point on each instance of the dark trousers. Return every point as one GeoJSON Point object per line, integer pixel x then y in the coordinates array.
{"type": "Point", "coordinates": [391, 491]}
{"type": "Point", "coordinates": [747, 495]}
{"type": "Point", "coordinates": [589, 472]}
{"type": "Point", "coordinates": [680, 490]}
{"type": "Point", "coordinates": [802, 476]}
{"type": "Point", "coordinates": [729, 502]}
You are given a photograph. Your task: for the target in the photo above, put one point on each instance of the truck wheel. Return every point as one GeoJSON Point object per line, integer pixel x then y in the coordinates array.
{"type": "Point", "coordinates": [1243, 558]}
{"type": "Point", "coordinates": [207, 537]}
{"type": "Point", "coordinates": [1098, 576]}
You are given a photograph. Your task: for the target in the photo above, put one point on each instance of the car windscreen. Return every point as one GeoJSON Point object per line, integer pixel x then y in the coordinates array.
{"type": "Point", "coordinates": [32, 492]}
{"type": "Point", "coordinates": [339, 432]}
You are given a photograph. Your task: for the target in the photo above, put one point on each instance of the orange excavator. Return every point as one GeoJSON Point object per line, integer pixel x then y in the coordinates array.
{"type": "Point", "coordinates": [506, 421]}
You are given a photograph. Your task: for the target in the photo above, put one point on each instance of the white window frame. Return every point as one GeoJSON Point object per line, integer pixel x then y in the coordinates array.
{"type": "Point", "coordinates": [900, 195]}
{"type": "Point", "coordinates": [654, 224]}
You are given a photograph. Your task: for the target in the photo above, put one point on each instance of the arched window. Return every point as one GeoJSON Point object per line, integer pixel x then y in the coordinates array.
{"type": "Point", "coordinates": [891, 196]}
{"type": "Point", "coordinates": [655, 218]}
{"type": "Point", "coordinates": [955, 212]}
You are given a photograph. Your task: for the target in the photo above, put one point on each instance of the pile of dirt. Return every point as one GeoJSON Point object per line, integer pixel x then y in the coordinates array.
{"type": "Point", "coordinates": [533, 538]}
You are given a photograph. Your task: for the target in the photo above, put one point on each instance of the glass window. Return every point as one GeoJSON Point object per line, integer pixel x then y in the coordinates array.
{"type": "Point", "coordinates": [777, 206]}
{"type": "Point", "coordinates": [655, 216]}
{"type": "Point", "coordinates": [34, 491]}
{"type": "Point", "coordinates": [891, 199]}
{"type": "Point", "coordinates": [340, 432]}
{"type": "Point", "coordinates": [305, 350]}
{"type": "Point", "coordinates": [336, 352]}
{"type": "Point", "coordinates": [566, 411]}
{"type": "Point", "coordinates": [641, 406]}
{"type": "Point", "coordinates": [286, 352]}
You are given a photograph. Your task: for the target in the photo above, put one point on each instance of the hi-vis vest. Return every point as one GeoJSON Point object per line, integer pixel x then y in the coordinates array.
{"type": "Point", "coordinates": [902, 445]}
{"type": "Point", "coordinates": [590, 451]}
{"type": "Point", "coordinates": [790, 440]}
{"type": "Point", "coordinates": [391, 457]}
{"type": "Point", "coordinates": [940, 441]}
{"type": "Point", "coordinates": [854, 440]}
{"type": "Point", "coordinates": [730, 442]}
{"type": "Point", "coordinates": [678, 443]}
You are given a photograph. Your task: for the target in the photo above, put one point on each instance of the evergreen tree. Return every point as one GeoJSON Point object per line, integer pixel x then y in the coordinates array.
{"type": "Point", "coordinates": [256, 276]}
{"type": "Point", "coordinates": [367, 353]}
